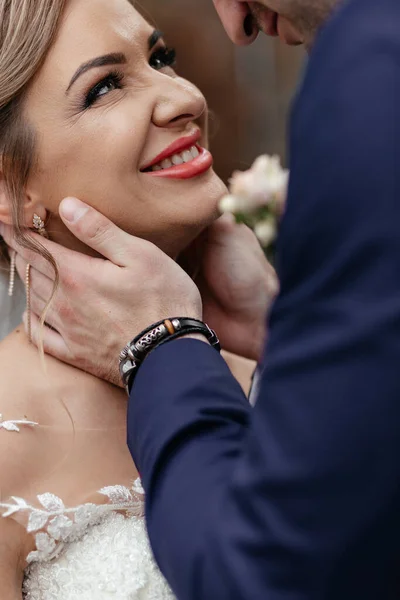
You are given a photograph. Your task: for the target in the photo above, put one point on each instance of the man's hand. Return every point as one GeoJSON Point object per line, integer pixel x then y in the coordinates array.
{"type": "Point", "coordinates": [100, 305]}
{"type": "Point", "coordinates": [237, 285]}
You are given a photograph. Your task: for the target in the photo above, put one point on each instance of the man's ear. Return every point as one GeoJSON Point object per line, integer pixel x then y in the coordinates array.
{"type": "Point", "coordinates": [31, 205]}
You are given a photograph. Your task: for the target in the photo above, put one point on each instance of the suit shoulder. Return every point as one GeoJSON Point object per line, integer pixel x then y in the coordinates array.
{"type": "Point", "coordinates": [360, 24]}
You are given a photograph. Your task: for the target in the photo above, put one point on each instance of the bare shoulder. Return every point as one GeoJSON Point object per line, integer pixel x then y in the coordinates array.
{"type": "Point", "coordinates": [21, 449]}
{"type": "Point", "coordinates": [20, 435]}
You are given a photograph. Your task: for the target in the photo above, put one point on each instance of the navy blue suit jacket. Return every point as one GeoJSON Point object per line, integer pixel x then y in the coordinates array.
{"type": "Point", "coordinates": [300, 497]}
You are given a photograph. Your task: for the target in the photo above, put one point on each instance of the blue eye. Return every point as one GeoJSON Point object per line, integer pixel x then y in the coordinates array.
{"type": "Point", "coordinates": [113, 81]}
{"type": "Point", "coordinates": [163, 57]}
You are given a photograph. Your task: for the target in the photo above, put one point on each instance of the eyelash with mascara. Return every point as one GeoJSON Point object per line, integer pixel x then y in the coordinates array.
{"type": "Point", "coordinates": [161, 58]}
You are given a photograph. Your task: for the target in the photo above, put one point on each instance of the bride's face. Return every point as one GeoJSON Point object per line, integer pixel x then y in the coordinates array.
{"type": "Point", "coordinates": [106, 106]}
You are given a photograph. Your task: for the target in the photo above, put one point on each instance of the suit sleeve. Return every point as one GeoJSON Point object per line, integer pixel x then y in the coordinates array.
{"type": "Point", "coordinates": [299, 498]}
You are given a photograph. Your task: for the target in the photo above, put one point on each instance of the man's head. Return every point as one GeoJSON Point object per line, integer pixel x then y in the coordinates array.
{"type": "Point", "coordinates": [295, 21]}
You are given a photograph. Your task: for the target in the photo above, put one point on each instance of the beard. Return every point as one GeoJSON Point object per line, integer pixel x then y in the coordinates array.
{"type": "Point", "coordinates": [258, 11]}
{"type": "Point", "coordinates": [305, 16]}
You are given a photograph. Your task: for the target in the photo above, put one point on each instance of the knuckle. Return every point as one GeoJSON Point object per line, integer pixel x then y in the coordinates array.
{"type": "Point", "coordinates": [65, 312]}
{"type": "Point", "coordinates": [149, 263]}
{"type": "Point", "coordinates": [143, 249]}
{"type": "Point", "coordinates": [70, 282]}
{"type": "Point", "coordinates": [98, 230]}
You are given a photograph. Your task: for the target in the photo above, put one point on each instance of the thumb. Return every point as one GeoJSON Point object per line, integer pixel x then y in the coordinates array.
{"type": "Point", "coordinates": [226, 223]}
{"type": "Point", "coordinates": [96, 231]}
{"type": "Point", "coordinates": [223, 230]}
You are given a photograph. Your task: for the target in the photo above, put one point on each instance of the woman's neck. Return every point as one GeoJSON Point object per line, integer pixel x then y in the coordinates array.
{"type": "Point", "coordinates": [43, 379]}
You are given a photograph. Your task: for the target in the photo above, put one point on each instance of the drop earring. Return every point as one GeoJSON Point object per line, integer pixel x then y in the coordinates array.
{"type": "Point", "coordinates": [38, 224]}
{"type": "Point", "coordinates": [28, 301]}
{"type": "Point", "coordinates": [12, 274]}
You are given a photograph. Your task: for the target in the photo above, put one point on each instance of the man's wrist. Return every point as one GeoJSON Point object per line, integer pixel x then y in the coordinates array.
{"type": "Point", "coordinates": [196, 336]}
{"type": "Point", "coordinates": [156, 335]}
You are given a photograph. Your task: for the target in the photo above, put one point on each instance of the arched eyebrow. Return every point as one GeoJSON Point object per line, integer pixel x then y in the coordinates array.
{"type": "Point", "coordinates": [115, 58]}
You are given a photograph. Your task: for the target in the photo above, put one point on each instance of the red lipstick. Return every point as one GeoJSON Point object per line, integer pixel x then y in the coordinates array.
{"type": "Point", "coordinates": [186, 170]}
{"type": "Point", "coordinates": [195, 167]}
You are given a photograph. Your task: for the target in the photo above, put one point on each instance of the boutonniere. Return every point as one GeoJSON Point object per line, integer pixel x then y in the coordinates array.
{"type": "Point", "coordinates": [257, 197]}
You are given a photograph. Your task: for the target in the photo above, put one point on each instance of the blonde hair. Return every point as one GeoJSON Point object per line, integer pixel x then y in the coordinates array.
{"type": "Point", "coordinates": [27, 31]}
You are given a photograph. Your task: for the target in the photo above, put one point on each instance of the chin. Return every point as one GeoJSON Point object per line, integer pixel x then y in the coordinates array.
{"type": "Point", "coordinates": [201, 210]}
{"type": "Point", "coordinates": [206, 201]}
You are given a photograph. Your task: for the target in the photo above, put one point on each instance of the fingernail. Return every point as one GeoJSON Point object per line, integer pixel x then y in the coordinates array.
{"type": "Point", "coordinates": [248, 25]}
{"type": "Point", "coordinates": [72, 209]}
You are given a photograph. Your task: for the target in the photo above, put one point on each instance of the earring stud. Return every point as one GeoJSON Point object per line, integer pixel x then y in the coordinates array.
{"type": "Point", "coordinates": [38, 224]}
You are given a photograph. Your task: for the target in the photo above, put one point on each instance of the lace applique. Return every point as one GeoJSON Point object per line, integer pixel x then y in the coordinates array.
{"type": "Point", "coordinates": [54, 525]}
{"type": "Point", "coordinates": [14, 425]}
{"type": "Point", "coordinates": [112, 561]}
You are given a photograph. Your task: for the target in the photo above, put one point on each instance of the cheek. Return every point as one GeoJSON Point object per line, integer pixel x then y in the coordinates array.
{"type": "Point", "coordinates": [95, 159]}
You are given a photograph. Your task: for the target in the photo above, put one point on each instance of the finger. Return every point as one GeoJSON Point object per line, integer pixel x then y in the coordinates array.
{"type": "Point", "coordinates": [41, 285]}
{"type": "Point", "coordinates": [20, 265]}
{"type": "Point", "coordinates": [96, 231]}
{"type": "Point", "coordinates": [42, 308]}
{"type": "Point", "coordinates": [224, 231]}
{"type": "Point", "coordinates": [37, 305]}
{"type": "Point", "coordinates": [49, 339]}
{"type": "Point", "coordinates": [66, 259]}
{"type": "Point", "coordinates": [29, 256]}
{"type": "Point", "coordinates": [225, 223]}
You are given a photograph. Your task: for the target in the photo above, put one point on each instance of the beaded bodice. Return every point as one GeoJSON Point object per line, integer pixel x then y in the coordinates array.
{"type": "Point", "coordinates": [109, 561]}
{"type": "Point", "coordinates": [95, 551]}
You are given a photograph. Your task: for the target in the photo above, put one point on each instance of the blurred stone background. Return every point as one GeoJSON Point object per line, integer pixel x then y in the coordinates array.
{"type": "Point", "coordinates": [249, 90]}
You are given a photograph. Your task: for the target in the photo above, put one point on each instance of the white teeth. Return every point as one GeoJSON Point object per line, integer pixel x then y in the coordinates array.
{"type": "Point", "coordinates": [187, 156]}
{"type": "Point", "coordinates": [176, 159]}
{"type": "Point", "coordinates": [166, 164]}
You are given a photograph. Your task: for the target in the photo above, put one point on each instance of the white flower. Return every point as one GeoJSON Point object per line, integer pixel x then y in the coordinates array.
{"type": "Point", "coordinates": [265, 232]}
{"type": "Point", "coordinates": [60, 528]}
{"type": "Point", "coordinates": [264, 184]}
{"type": "Point", "coordinates": [279, 202]}
{"type": "Point", "coordinates": [229, 204]}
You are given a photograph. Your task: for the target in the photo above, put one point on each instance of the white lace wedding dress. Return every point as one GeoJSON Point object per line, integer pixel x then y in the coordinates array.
{"type": "Point", "coordinates": [88, 552]}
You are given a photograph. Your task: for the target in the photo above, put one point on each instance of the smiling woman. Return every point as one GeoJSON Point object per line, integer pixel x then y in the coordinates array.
{"type": "Point", "coordinates": [93, 110]}
{"type": "Point", "coordinates": [102, 114]}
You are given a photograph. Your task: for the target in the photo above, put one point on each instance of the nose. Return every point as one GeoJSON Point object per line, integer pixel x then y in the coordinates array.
{"type": "Point", "coordinates": [178, 103]}
{"type": "Point", "coordinates": [237, 20]}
